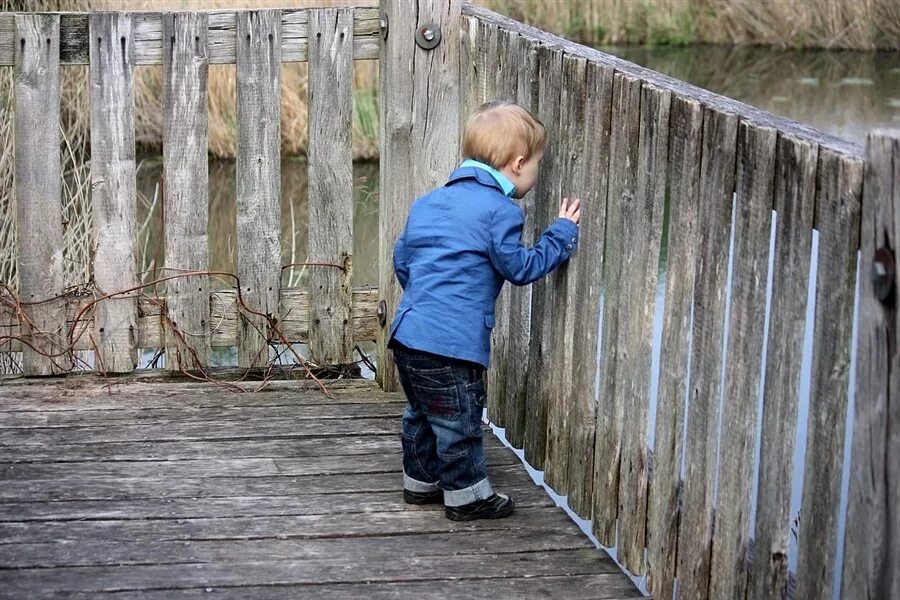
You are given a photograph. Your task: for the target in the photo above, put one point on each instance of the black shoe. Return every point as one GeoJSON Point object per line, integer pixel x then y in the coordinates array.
{"type": "Point", "coordinates": [435, 497]}
{"type": "Point", "coordinates": [495, 507]}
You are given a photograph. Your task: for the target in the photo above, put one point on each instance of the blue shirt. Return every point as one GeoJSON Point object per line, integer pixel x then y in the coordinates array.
{"type": "Point", "coordinates": [461, 242]}
{"type": "Point", "coordinates": [505, 184]}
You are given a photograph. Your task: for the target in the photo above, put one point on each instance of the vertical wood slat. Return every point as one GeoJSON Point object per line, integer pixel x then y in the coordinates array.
{"type": "Point", "coordinates": [113, 188]}
{"type": "Point", "coordinates": [644, 216]}
{"type": "Point", "coordinates": [795, 170]}
{"type": "Point", "coordinates": [746, 331]}
{"type": "Point", "coordinates": [871, 553]}
{"type": "Point", "coordinates": [35, 42]}
{"type": "Point", "coordinates": [330, 184]}
{"type": "Point", "coordinates": [589, 258]}
{"type": "Point", "coordinates": [566, 313]}
{"type": "Point", "coordinates": [837, 213]}
{"type": "Point", "coordinates": [258, 180]}
{"type": "Point", "coordinates": [716, 192]}
{"type": "Point", "coordinates": [185, 187]}
{"type": "Point", "coordinates": [523, 54]}
{"type": "Point", "coordinates": [538, 388]}
{"type": "Point", "coordinates": [501, 85]}
{"type": "Point", "coordinates": [419, 127]}
{"type": "Point", "coordinates": [38, 202]}
{"type": "Point", "coordinates": [663, 511]}
{"type": "Point", "coordinates": [623, 175]}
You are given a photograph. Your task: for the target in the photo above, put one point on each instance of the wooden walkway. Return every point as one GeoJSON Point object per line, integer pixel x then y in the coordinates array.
{"type": "Point", "coordinates": [173, 490]}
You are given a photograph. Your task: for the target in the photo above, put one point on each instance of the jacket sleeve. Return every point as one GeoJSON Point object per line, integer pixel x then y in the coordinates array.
{"type": "Point", "coordinates": [519, 264]}
{"type": "Point", "coordinates": [401, 269]}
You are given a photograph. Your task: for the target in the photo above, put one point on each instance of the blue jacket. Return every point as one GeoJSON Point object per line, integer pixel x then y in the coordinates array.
{"type": "Point", "coordinates": [460, 243]}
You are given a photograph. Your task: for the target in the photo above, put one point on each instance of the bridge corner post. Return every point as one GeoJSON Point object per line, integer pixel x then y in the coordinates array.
{"type": "Point", "coordinates": [872, 546]}
{"type": "Point", "coordinates": [419, 130]}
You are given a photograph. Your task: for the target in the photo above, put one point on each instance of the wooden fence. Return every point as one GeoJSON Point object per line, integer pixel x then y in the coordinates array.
{"type": "Point", "coordinates": [659, 163]}
{"type": "Point", "coordinates": [46, 323]}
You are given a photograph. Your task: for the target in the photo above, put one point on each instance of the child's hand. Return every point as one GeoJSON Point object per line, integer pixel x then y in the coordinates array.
{"type": "Point", "coordinates": [572, 211]}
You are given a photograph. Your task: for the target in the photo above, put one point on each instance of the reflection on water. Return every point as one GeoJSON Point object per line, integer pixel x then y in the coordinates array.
{"type": "Point", "coordinates": [294, 220]}
{"type": "Point", "coordinates": [840, 92]}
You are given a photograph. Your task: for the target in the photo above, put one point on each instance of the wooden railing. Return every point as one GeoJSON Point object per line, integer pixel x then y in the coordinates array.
{"type": "Point", "coordinates": [114, 318]}
{"type": "Point", "coordinates": [660, 162]}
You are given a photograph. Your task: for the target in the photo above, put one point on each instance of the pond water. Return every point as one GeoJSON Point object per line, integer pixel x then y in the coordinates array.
{"type": "Point", "coordinates": [843, 93]}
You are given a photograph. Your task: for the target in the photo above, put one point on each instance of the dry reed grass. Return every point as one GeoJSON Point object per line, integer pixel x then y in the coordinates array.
{"type": "Point", "coordinates": [848, 24]}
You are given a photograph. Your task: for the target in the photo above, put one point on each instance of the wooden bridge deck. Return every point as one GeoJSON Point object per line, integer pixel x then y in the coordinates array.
{"type": "Point", "coordinates": [171, 490]}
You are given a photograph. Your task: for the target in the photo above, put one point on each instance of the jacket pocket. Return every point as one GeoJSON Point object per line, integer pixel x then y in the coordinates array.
{"type": "Point", "coordinates": [489, 321]}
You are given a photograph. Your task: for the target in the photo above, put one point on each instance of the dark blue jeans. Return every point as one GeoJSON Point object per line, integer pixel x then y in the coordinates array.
{"type": "Point", "coordinates": [442, 435]}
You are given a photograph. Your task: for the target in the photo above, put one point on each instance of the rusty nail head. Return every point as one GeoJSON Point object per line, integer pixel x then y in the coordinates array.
{"type": "Point", "coordinates": [883, 273]}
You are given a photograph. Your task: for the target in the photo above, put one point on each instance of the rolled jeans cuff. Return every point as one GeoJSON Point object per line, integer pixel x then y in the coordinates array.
{"type": "Point", "coordinates": [480, 491]}
{"type": "Point", "coordinates": [414, 485]}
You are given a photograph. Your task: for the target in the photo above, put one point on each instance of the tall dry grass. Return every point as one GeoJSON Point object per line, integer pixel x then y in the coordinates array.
{"type": "Point", "coordinates": [847, 24]}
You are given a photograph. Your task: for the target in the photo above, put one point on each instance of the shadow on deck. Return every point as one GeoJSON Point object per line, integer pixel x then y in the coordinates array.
{"type": "Point", "coordinates": [185, 490]}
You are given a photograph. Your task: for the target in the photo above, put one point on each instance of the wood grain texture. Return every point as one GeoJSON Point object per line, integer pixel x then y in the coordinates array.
{"type": "Point", "coordinates": [148, 27]}
{"type": "Point", "coordinates": [795, 191]}
{"type": "Point", "coordinates": [525, 57]}
{"type": "Point", "coordinates": [258, 180]}
{"type": "Point", "coordinates": [837, 217]}
{"type": "Point", "coordinates": [330, 185]}
{"type": "Point", "coordinates": [113, 188]}
{"type": "Point", "coordinates": [746, 332]}
{"type": "Point", "coordinates": [39, 260]}
{"type": "Point", "coordinates": [566, 312]}
{"type": "Point", "coordinates": [716, 196]}
{"type": "Point", "coordinates": [664, 503]}
{"type": "Point", "coordinates": [643, 218]}
{"type": "Point", "coordinates": [591, 188]}
{"type": "Point", "coordinates": [419, 127]}
{"type": "Point", "coordinates": [871, 555]}
{"type": "Point", "coordinates": [623, 176]}
{"type": "Point", "coordinates": [246, 513]}
{"type": "Point", "coordinates": [539, 390]}
{"type": "Point", "coordinates": [186, 189]}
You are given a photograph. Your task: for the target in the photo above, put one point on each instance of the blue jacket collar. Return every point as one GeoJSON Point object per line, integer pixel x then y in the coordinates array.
{"type": "Point", "coordinates": [481, 175]}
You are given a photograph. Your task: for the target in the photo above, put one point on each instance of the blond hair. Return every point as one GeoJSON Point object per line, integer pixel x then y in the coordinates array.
{"type": "Point", "coordinates": [499, 132]}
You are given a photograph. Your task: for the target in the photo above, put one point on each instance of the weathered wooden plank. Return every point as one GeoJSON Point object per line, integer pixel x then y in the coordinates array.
{"type": "Point", "coordinates": [746, 331]}
{"type": "Point", "coordinates": [591, 189]}
{"type": "Point", "coordinates": [148, 47]}
{"type": "Point", "coordinates": [186, 190]}
{"type": "Point", "coordinates": [130, 488]}
{"type": "Point", "coordinates": [716, 192]}
{"type": "Point", "coordinates": [525, 57]}
{"type": "Point", "coordinates": [330, 185]}
{"type": "Point", "coordinates": [314, 570]}
{"type": "Point", "coordinates": [504, 87]}
{"type": "Point", "coordinates": [623, 176]}
{"type": "Point", "coordinates": [566, 312]}
{"type": "Point", "coordinates": [37, 182]}
{"type": "Point", "coordinates": [677, 87]}
{"type": "Point", "coordinates": [538, 390]}
{"type": "Point", "coordinates": [418, 105]}
{"type": "Point", "coordinates": [258, 181]}
{"type": "Point", "coordinates": [795, 190]}
{"type": "Point", "coordinates": [837, 217]}
{"type": "Point", "coordinates": [663, 511]}
{"type": "Point", "coordinates": [294, 319]}
{"type": "Point", "coordinates": [113, 189]}
{"type": "Point", "coordinates": [643, 217]}
{"type": "Point", "coordinates": [873, 523]}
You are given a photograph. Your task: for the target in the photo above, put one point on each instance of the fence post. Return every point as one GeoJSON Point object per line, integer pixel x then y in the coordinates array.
{"type": "Point", "coordinates": [419, 130]}
{"type": "Point", "coordinates": [872, 547]}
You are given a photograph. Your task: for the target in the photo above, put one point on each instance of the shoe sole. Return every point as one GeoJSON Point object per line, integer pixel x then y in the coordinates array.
{"type": "Point", "coordinates": [422, 502]}
{"type": "Point", "coordinates": [476, 516]}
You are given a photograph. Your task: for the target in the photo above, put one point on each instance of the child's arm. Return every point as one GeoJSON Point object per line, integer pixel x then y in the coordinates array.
{"type": "Point", "coordinates": [519, 264]}
{"type": "Point", "coordinates": [401, 269]}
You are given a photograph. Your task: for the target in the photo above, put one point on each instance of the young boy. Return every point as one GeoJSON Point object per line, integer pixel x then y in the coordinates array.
{"type": "Point", "coordinates": [460, 243]}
